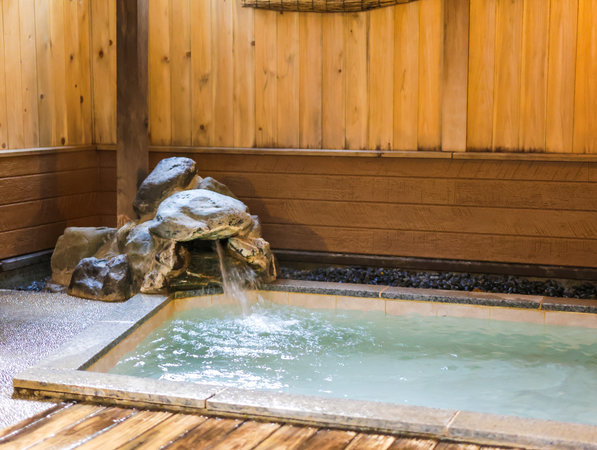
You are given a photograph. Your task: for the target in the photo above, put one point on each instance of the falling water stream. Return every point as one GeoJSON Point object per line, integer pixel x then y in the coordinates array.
{"type": "Point", "coordinates": [235, 278]}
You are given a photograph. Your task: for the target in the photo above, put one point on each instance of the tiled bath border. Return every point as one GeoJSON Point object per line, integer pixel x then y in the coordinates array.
{"type": "Point", "coordinates": [63, 376]}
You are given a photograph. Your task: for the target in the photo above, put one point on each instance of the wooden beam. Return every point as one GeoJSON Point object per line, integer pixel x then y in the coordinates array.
{"type": "Point", "coordinates": [131, 94]}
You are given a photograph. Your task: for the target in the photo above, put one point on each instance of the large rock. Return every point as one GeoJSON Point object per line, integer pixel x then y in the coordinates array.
{"type": "Point", "coordinates": [214, 185]}
{"type": "Point", "coordinates": [255, 252]}
{"type": "Point", "coordinates": [200, 214]}
{"type": "Point", "coordinates": [169, 176]}
{"type": "Point", "coordinates": [75, 244]}
{"type": "Point", "coordinates": [153, 260]}
{"type": "Point", "coordinates": [102, 279]}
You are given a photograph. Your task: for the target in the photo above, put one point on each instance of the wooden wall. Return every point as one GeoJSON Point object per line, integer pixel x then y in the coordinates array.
{"type": "Point", "coordinates": [41, 193]}
{"type": "Point", "coordinates": [449, 75]}
{"type": "Point", "coordinates": [499, 210]}
{"type": "Point", "coordinates": [455, 75]}
{"type": "Point", "coordinates": [45, 82]}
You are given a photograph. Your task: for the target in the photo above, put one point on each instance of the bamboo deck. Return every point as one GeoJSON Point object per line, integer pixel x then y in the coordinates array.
{"type": "Point", "coordinates": [85, 426]}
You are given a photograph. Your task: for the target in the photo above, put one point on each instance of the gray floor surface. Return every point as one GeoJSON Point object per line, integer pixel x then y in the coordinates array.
{"type": "Point", "coordinates": [32, 326]}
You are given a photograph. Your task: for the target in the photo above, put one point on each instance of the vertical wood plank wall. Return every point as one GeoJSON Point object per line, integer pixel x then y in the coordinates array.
{"type": "Point", "coordinates": [452, 75]}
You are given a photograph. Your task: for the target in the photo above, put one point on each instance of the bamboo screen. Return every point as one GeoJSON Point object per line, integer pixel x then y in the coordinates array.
{"type": "Point", "coordinates": [321, 5]}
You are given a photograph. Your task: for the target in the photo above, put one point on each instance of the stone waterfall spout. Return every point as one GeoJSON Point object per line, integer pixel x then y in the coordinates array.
{"type": "Point", "coordinates": [167, 248]}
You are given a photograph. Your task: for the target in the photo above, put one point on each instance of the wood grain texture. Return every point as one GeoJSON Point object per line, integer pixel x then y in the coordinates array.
{"type": "Point", "coordinates": [132, 110]}
{"type": "Point", "coordinates": [160, 105]}
{"type": "Point", "coordinates": [246, 435]}
{"type": "Point", "coordinates": [406, 80]}
{"type": "Point", "coordinates": [455, 75]}
{"type": "Point", "coordinates": [287, 437]}
{"type": "Point", "coordinates": [201, 73]}
{"type": "Point", "coordinates": [310, 80]}
{"type": "Point", "coordinates": [390, 167]}
{"type": "Point", "coordinates": [381, 79]}
{"type": "Point", "coordinates": [371, 441]}
{"type": "Point", "coordinates": [266, 67]}
{"type": "Point", "coordinates": [288, 63]}
{"type": "Point", "coordinates": [223, 126]}
{"type": "Point", "coordinates": [103, 68]}
{"type": "Point", "coordinates": [330, 439]}
{"type": "Point", "coordinates": [3, 116]}
{"type": "Point", "coordinates": [430, 74]}
{"type": "Point", "coordinates": [533, 92]}
{"type": "Point", "coordinates": [334, 82]}
{"type": "Point", "coordinates": [506, 93]}
{"type": "Point", "coordinates": [79, 432]}
{"type": "Point", "coordinates": [12, 72]}
{"type": "Point", "coordinates": [481, 71]}
{"type": "Point", "coordinates": [585, 94]}
{"type": "Point", "coordinates": [561, 73]}
{"type": "Point", "coordinates": [512, 249]}
{"type": "Point", "coordinates": [244, 76]}
{"type": "Point", "coordinates": [180, 61]}
{"type": "Point", "coordinates": [356, 28]}
{"type": "Point", "coordinates": [52, 424]}
{"type": "Point", "coordinates": [211, 432]}
{"type": "Point", "coordinates": [126, 430]}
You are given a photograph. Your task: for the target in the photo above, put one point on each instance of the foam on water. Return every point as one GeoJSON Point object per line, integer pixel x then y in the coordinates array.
{"type": "Point", "coordinates": [469, 364]}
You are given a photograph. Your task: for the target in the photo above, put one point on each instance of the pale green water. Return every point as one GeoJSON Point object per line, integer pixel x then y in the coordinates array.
{"type": "Point", "coordinates": [477, 365]}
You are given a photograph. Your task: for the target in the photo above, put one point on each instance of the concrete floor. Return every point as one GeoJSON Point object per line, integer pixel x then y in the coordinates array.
{"type": "Point", "coordinates": [32, 326]}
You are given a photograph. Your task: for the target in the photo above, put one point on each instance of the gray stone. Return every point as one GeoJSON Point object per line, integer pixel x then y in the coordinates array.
{"type": "Point", "coordinates": [169, 176]}
{"type": "Point", "coordinates": [75, 244]}
{"type": "Point", "coordinates": [153, 260]}
{"type": "Point", "coordinates": [200, 214]}
{"type": "Point", "coordinates": [101, 279]}
{"type": "Point", "coordinates": [255, 252]}
{"type": "Point", "coordinates": [214, 185]}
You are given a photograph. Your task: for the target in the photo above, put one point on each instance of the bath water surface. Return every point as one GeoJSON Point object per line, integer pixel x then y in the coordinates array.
{"type": "Point", "coordinates": [522, 369]}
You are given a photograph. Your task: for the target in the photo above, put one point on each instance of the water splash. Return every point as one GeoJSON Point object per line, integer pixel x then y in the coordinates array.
{"type": "Point", "coordinates": [236, 278]}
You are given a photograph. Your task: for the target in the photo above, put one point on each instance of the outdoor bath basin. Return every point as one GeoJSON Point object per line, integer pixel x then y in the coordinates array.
{"type": "Point", "coordinates": [341, 333]}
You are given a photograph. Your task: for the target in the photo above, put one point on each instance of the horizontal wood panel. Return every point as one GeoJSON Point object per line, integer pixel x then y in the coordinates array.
{"type": "Point", "coordinates": [580, 196]}
{"type": "Point", "coordinates": [531, 212]}
{"type": "Point", "coordinates": [520, 222]}
{"type": "Point", "coordinates": [399, 167]}
{"type": "Point", "coordinates": [34, 187]}
{"type": "Point", "coordinates": [29, 240]}
{"type": "Point", "coordinates": [48, 162]}
{"type": "Point", "coordinates": [51, 210]}
{"type": "Point", "coordinates": [528, 250]}
{"type": "Point", "coordinates": [437, 191]}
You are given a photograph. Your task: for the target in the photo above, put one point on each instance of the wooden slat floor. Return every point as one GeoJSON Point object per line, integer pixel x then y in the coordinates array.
{"type": "Point", "coordinates": [85, 426]}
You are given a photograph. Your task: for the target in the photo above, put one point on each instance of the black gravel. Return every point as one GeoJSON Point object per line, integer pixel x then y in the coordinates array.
{"type": "Point", "coordinates": [455, 281]}
{"type": "Point", "coordinates": [444, 280]}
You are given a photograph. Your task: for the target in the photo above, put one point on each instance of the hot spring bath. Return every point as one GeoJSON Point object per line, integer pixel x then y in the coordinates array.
{"type": "Point", "coordinates": [352, 357]}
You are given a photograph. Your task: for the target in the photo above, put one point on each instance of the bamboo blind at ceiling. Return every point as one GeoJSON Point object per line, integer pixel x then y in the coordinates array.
{"type": "Point", "coordinates": [321, 5]}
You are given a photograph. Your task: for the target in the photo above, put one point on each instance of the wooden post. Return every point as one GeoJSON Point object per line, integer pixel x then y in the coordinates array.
{"type": "Point", "coordinates": [132, 112]}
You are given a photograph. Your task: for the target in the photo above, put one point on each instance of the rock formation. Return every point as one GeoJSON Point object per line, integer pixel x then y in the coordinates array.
{"type": "Point", "coordinates": [170, 246]}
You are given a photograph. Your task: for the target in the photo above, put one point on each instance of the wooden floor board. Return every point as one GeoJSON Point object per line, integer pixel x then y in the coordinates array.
{"type": "Point", "coordinates": [30, 421]}
{"type": "Point", "coordinates": [246, 436]}
{"type": "Point", "coordinates": [85, 427]}
{"type": "Point", "coordinates": [211, 432]}
{"type": "Point", "coordinates": [80, 432]}
{"type": "Point", "coordinates": [413, 444]}
{"type": "Point", "coordinates": [52, 425]}
{"type": "Point", "coordinates": [371, 441]}
{"type": "Point", "coordinates": [287, 437]}
{"type": "Point", "coordinates": [165, 432]}
{"type": "Point", "coordinates": [126, 430]}
{"type": "Point", "coordinates": [329, 440]}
